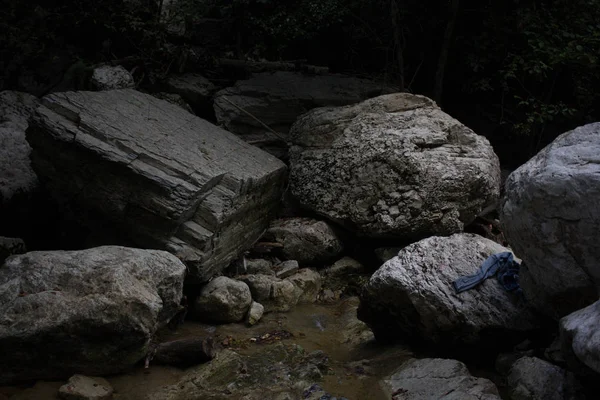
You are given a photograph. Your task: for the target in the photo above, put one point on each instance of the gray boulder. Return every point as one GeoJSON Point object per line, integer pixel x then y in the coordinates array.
{"type": "Point", "coordinates": [392, 166]}
{"type": "Point", "coordinates": [412, 296]}
{"type": "Point", "coordinates": [580, 337]}
{"type": "Point", "coordinates": [163, 177]}
{"type": "Point", "coordinates": [91, 312]}
{"type": "Point", "coordinates": [550, 216]}
{"type": "Point", "coordinates": [531, 378]}
{"type": "Point", "coordinates": [273, 293]}
{"type": "Point", "coordinates": [307, 240]}
{"type": "Point", "coordinates": [437, 378]}
{"type": "Point", "coordinates": [107, 77]}
{"type": "Point", "coordinates": [195, 89]}
{"type": "Point", "coordinates": [278, 99]}
{"type": "Point", "coordinates": [255, 313]}
{"type": "Point", "coordinates": [80, 387]}
{"type": "Point", "coordinates": [223, 300]}
{"type": "Point", "coordinates": [308, 283]}
{"type": "Point", "coordinates": [16, 173]}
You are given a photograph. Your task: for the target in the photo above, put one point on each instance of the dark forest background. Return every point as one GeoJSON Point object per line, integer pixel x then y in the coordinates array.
{"type": "Point", "coordinates": [518, 71]}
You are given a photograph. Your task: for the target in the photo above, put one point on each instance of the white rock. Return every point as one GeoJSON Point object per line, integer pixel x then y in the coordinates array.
{"type": "Point", "coordinates": [551, 218]}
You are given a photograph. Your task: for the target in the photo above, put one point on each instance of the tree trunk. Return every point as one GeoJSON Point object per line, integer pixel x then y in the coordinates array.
{"type": "Point", "coordinates": [446, 44]}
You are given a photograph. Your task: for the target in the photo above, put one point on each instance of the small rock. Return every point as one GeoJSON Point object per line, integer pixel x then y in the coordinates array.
{"type": "Point", "coordinates": [10, 246]}
{"type": "Point", "coordinates": [533, 378]}
{"type": "Point", "coordinates": [195, 89]}
{"type": "Point", "coordinates": [284, 296]}
{"type": "Point", "coordinates": [384, 254]}
{"type": "Point", "coordinates": [354, 331]}
{"type": "Point", "coordinates": [347, 275]}
{"type": "Point", "coordinates": [80, 387]}
{"type": "Point", "coordinates": [185, 352]}
{"type": "Point", "coordinates": [287, 269]}
{"type": "Point", "coordinates": [505, 361]}
{"type": "Point", "coordinates": [255, 313]}
{"type": "Point", "coordinates": [308, 282]}
{"type": "Point", "coordinates": [259, 266]}
{"type": "Point", "coordinates": [554, 353]}
{"type": "Point", "coordinates": [107, 77]}
{"type": "Point", "coordinates": [345, 266]}
{"type": "Point", "coordinates": [260, 286]}
{"type": "Point", "coordinates": [223, 300]}
{"type": "Point", "coordinates": [328, 296]}
{"type": "Point", "coordinates": [436, 378]}
{"type": "Point", "coordinates": [273, 293]}
{"type": "Point", "coordinates": [307, 240]}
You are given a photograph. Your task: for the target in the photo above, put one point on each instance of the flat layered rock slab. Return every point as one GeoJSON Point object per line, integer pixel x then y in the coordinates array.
{"type": "Point", "coordinates": [167, 178]}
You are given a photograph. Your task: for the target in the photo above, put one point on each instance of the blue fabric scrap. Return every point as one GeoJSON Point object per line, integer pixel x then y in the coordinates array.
{"type": "Point", "coordinates": [502, 265]}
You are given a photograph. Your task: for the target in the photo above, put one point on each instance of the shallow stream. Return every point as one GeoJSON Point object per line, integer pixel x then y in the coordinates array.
{"type": "Point", "coordinates": [355, 367]}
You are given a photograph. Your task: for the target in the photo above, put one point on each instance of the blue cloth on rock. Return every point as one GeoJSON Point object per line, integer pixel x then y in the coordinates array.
{"type": "Point", "coordinates": [502, 265]}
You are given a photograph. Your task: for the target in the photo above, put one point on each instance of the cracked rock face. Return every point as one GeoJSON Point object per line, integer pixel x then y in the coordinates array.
{"type": "Point", "coordinates": [166, 178]}
{"type": "Point", "coordinates": [550, 216]}
{"type": "Point", "coordinates": [91, 311]}
{"type": "Point", "coordinates": [392, 166]}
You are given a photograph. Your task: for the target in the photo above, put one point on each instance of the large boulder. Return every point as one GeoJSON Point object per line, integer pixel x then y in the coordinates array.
{"type": "Point", "coordinates": [91, 312]}
{"type": "Point", "coordinates": [165, 178]}
{"type": "Point", "coordinates": [550, 216]}
{"type": "Point", "coordinates": [223, 300]}
{"type": "Point", "coordinates": [16, 174]}
{"type": "Point", "coordinates": [392, 166]}
{"type": "Point", "coordinates": [307, 240]}
{"type": "Point", "coordinates": [534, 378]}
{"type": "Point", "coordinates": [278, 99]}
{"type": "Point", "coordinates": [580, 337]}
{"type": "Point", "coordinates": [437, 378]}
{"type": "Point", "coordinates": [412, 296]}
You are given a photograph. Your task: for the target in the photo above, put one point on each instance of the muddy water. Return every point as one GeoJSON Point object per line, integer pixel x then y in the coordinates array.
{"type": "Point", "coordinates": [356, 366]}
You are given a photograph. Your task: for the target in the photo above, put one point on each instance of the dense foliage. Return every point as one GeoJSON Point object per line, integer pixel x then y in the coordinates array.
{"type": "Point", "coordinates": [519, 71]}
